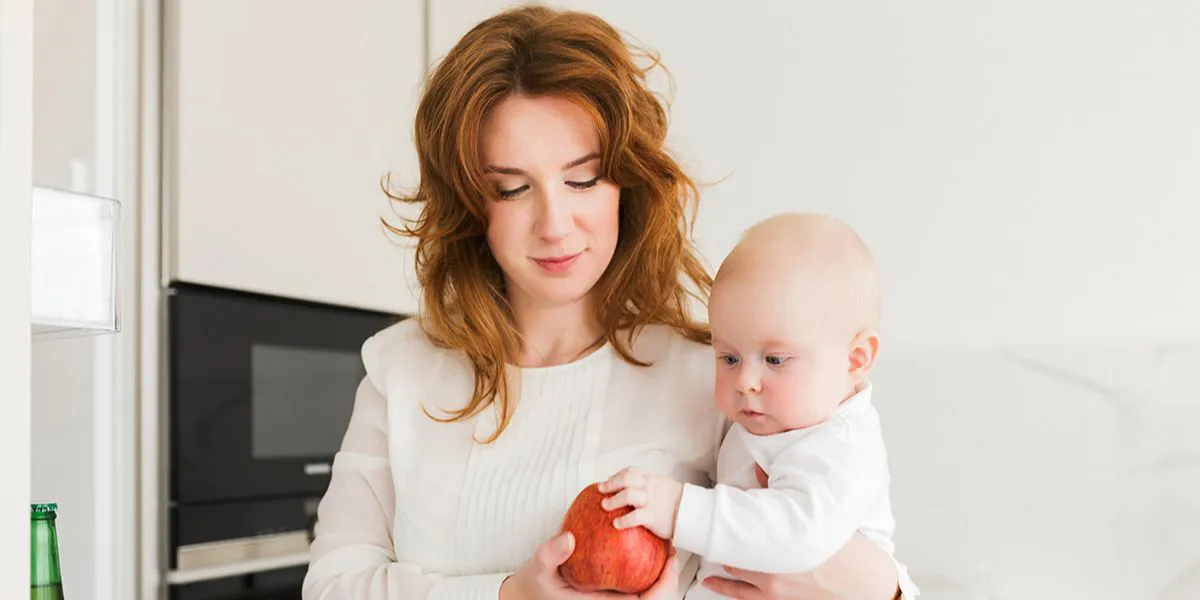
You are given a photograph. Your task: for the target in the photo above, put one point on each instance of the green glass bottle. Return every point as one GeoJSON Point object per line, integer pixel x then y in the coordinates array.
{"type": "Point", "coordinates": [45, 581]}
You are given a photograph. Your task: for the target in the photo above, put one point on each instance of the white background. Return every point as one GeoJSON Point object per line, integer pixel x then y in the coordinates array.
{"type": "Point", "coordinates": [1025, 172]}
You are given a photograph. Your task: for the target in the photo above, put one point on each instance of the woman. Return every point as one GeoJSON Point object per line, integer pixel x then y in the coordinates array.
{"type": "Point", "coordinates": [554, 345]}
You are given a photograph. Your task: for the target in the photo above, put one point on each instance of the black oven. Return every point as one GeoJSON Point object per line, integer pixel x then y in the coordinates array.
{"type": "Point", "coordinates": [260, 393]}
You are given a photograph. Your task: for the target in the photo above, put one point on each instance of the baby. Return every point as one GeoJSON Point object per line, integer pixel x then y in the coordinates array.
{"type": "Point", "coordinates": [794, 313]}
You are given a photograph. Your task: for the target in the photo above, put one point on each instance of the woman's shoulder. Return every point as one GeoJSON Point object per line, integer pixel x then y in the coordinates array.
{"type": "Point", "coordinates": [669, 351]}
{"type": "Point", "coordinates": [405, 330]}
{"type": "Point", "coordinates": [678, 382]}
{"type": "Point", "coordinates": [402, 348]}
{"type": "Point", "coordinates": [676, 366]}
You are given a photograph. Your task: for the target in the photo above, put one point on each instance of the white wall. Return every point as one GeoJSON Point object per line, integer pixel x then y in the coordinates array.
{"type": "Point", "coordinates": [1024, 171]}
{"type": "Point", "coordinates": [1050, 472]}
{"type": "Point", "coordinates": [16, 100]}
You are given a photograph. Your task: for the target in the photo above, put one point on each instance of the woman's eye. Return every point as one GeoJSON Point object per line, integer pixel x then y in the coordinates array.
{"type": "Point", "coordinates": [775, 360]}
{"type": "Point", "coordinates": [513, 192]}
{"type": "Point", "coordinates": [583, 185]}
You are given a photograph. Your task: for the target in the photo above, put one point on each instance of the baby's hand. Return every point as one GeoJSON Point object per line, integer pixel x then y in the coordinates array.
{"type": "Point", "coordinates": [654, 498]}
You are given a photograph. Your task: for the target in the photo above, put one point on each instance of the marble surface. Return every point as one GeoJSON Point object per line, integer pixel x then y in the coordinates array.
{"type": "Point", "coordinates": [1049, 472]}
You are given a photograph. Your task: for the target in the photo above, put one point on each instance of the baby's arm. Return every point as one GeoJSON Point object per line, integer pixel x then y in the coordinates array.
{"type": "Point", "coordinates": [820, 492]}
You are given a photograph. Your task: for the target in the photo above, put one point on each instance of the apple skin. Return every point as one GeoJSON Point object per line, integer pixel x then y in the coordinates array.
{"type": "Point", "coordinates": [628, 561]}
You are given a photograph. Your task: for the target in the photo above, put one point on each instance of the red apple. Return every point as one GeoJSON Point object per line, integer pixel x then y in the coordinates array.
{"type": "Point", "coordinates": [605, 558]}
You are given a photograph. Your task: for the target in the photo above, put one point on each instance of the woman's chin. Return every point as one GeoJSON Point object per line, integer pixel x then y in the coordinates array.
{"type": "Point", "coordinates": [561, 292]}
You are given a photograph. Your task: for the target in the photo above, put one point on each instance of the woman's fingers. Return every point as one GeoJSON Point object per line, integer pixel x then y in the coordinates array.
{"type": "Point", "coordinates": [733, 589]}
{"type": "Point", "coordinates": [743, 574]}
{"type": "Point", "coordinates": [668, 582]}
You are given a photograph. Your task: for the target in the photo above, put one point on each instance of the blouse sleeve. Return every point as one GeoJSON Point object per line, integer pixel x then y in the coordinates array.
{"type": "Point", "coordinates": [352, 554]}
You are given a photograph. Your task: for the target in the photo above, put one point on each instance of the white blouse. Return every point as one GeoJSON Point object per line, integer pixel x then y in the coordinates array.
{"type": "Point", "coordinates": [416, 510]}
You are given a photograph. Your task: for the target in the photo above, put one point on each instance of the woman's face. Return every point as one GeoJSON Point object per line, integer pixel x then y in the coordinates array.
{"type": "Point", "coordinates": [554, 229]}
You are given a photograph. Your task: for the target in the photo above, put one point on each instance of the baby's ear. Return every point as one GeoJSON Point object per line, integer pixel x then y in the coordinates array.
{"type": "Point", "coordinates": [863, 350]}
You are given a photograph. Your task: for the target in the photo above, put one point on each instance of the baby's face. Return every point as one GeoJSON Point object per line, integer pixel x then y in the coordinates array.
{"type": "Point", "coordinates": [781, 365]}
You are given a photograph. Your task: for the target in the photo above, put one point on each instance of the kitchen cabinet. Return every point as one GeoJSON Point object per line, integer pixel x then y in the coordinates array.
{"type": "Point", "coordinates": [282, 118]}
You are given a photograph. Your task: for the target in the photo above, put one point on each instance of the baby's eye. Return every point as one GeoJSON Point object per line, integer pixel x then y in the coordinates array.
{"type": "Point", "coordinates": [775, 360]}
{"type": "Point", "coordinates": [729, 359]}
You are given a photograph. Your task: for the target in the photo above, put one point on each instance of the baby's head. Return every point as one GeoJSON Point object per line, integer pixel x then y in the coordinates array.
{"type": "Point", "coordinates": [794, 313]}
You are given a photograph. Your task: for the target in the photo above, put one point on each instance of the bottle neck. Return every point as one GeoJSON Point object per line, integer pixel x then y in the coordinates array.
{"type": "Point", "coordinates": [44, 539]}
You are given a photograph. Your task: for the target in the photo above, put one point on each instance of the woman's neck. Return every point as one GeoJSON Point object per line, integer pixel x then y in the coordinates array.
{"type": "Point", "coordinates": [556, 335]}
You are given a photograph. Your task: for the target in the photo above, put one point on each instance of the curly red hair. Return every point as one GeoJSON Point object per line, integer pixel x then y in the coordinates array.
{"type": "Point", "coordinates": [536, 50]}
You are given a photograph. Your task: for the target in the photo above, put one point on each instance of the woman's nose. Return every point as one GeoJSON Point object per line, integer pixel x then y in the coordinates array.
{"type": "Point", "coordinates": [554, 219]}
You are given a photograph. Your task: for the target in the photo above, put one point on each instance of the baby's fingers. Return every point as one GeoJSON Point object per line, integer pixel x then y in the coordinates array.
{"type": "Point", "coordinates": [635, 497]}
{"type": "Point", "coordinates": [639, 517]}
{"type": "Point", "coordinates": [627, 477]}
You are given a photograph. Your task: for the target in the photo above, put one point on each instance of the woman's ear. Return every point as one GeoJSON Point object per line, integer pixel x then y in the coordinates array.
{"type": "Point", "coordinates": [863, 350]}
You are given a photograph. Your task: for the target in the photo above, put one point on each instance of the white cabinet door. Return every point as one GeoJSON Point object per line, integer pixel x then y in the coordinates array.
{"type": "Point", "coordinates": [283, 117]}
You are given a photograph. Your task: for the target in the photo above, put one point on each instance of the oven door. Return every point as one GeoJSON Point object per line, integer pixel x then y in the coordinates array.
{"type": "Point", "coordinates": [261, 391]}
{"type": "Point", "coordinates": [283, 584]}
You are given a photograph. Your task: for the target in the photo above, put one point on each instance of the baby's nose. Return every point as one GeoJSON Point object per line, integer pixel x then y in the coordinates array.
{"type": "Point", "coordinates": [748, 382]}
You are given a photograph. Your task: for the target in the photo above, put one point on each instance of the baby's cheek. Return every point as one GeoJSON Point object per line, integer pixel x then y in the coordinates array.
{"type": "Point", "coordinates": [724, 391]}
{"type": "Point", "coordinates": [794, 403]}
{"type": "Point", "coordinates": [819, 410]}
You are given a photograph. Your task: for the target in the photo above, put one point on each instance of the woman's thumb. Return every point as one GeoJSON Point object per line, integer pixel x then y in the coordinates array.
{"type": "Point", "coordinates": [559, 549]}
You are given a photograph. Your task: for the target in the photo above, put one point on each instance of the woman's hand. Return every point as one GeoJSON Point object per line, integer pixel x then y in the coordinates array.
{"type": "Point", "coordinates": [859, 570]}
{"type": "Point", "coordinates": [764, 586]}
{"type": "Point", "coordinates": [538, 578]}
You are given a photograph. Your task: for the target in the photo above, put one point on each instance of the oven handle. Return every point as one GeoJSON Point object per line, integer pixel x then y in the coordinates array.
{"type": "Point", "coordinates": [229, 558]}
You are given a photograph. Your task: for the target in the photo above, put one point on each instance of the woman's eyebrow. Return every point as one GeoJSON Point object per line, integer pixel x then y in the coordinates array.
{"type": "Point", "coordinates": [515, 171]}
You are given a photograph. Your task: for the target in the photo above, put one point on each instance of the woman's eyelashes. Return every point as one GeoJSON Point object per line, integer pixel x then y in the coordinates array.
{"type": "Point", "coordinates": [583, 185]}
{"type": "Point", "coordinates": [575, 185]}
{"type": "Point", "coordinates": [512, 193]}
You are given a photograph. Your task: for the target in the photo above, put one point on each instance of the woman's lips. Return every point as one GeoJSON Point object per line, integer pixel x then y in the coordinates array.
{"type": "Point", "coordinates": [557, 264]}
